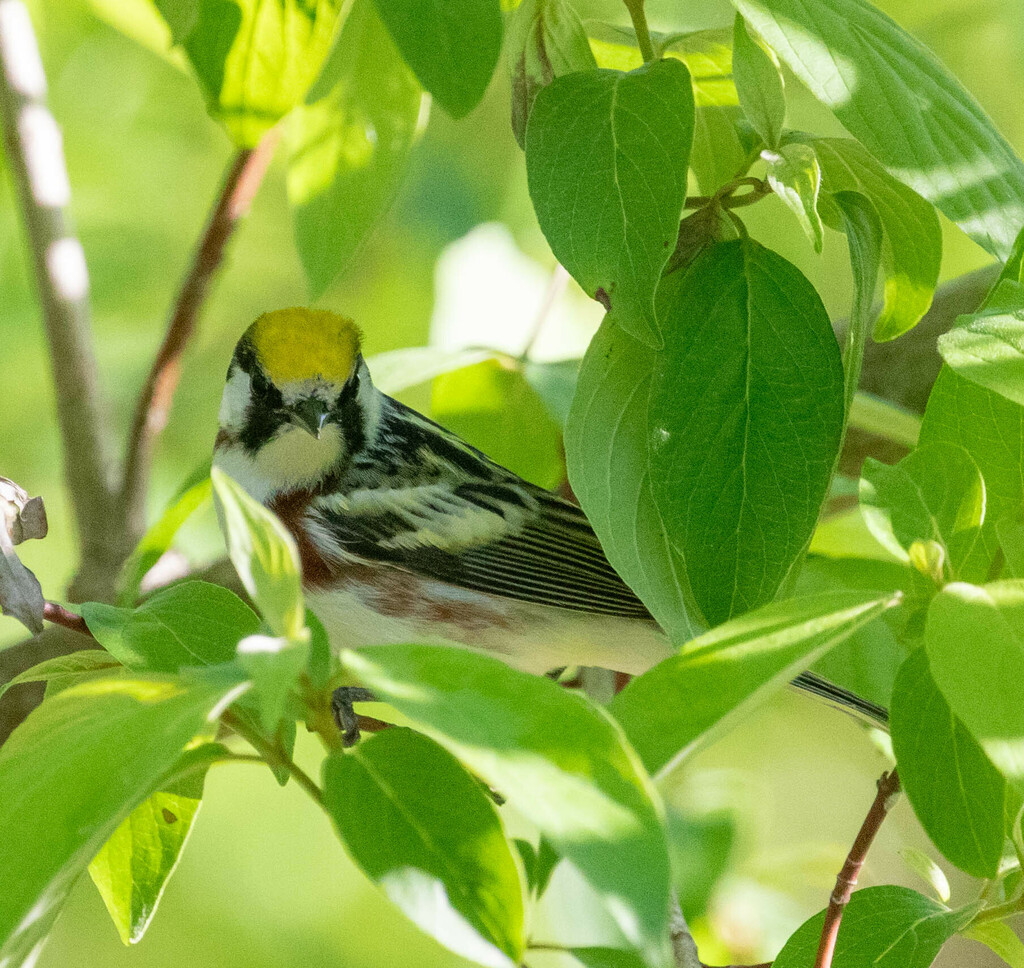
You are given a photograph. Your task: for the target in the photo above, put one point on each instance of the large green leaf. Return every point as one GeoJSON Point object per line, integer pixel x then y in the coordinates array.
{"type": "Point", "coordinates": [425, 830]}
{"type": "Point", "coordinates": [882, 927]}
{"type": "Point", "coordinates": [912, 238]}
{"type": "Point", "coordinates": [350, 146]}
{"type": "Point", "coordinates": [255, 59]}
{"type": "Point", "coordinates": [191, 624]}
{"type": "Point", "coordinates": [452, 46]}
{"type": "Point", "coordinates": [609, 469]}
{"type": "Point", "coordinates": [70, 774]}
{"type": "Point", "coordinates": [544, 40]}
{"type": "Point", "coordinates": [606, 156]}
{"type": "Point", "coordinates": [264, 555]}
{"type": "Point", "coordinates": [975, 642]}
{"type": "Point", "coordinates": [987, 347]}
{"type": "Point", "coordinates": [956, 792]}
{"type": "Point", "coordinates": [729, 669]}
{"type": "Point", "coordinates": [559, 760]}
{"type": "Point", "coordinates": [745, 417]}
{"type": "Point", "coordinates": [991, 429]}
{"type": "Point", "coordinates": [758, 80]}
{"type": "Point", "coordinates": [65, 670]}
{"type": "Point", "coordinates": [936, 493]}
{"type": "Point", "coordinates": [893, 95]}
{"type": "Point", "coordinates": [132, 869]}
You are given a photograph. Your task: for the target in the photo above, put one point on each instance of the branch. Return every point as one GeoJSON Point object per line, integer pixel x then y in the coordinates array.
{"type": "Point", "coordinates": [59, 615]}
{"type": "Point", "coordinates": [888, 788]}
{"type": "Point", "coordinates": [35, 156]}
{"type": "Point", "coordinates": [241, 183]}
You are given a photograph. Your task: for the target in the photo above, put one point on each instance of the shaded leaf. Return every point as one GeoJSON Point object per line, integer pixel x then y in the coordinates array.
{"type": "Point", "coordinates": [423, 828]}
{"type": "Point", "coordinates": [452, 46]}
{"type": "Point", "coordinates": [398, 370]}
{"type": "Point", "coordinates": [274, 665]}
{"type": "Point", "coordinates": [758, 81]}
{"type": "Point", "coordinates": [606, 156]}
{"type": "Point", "coordinates": [795, 176]}
{"type": "Point", "coordinates": [64, 670]}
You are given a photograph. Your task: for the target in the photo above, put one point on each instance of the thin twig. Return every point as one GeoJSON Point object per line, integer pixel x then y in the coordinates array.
{"type": "Point", "coordinates": [241, 182]}
{"type": "Point", "coordinates": [888, 787]}
{"type": "Point", "coordinates": [59, 615]}
{"type": "Point", "coordinates": [35, 156]}
{"type": "Point", "coordinates": [556, 286]}
{"type": "Point", "coordinates": [272, 755]}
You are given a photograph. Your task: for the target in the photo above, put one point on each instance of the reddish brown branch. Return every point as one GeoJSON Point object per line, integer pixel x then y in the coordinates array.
{"type": "Point", "coordinates": [59, 615]}
{"type": "Point", "coordinates": [240, 185]}
{"type": "Point", "coordinates": [888, 787]}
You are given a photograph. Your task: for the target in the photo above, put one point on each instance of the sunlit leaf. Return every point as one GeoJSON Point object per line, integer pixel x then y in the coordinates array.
{"type": "Point", "coordinates": [1000, 938]}
{"type": "Point", "coordinates": [559, 760]}
{"type": "Point", "coordinates": [893, 95]}
{"type": "Point", "coordinates": [65, 670]}
{"type": "Point", "coordinates": [755, 70]}
{"type": "Point", "coordinates": [350, 146]}
{"type": "Point", "coordinates": [795, 176]}
{"type": "Point", "coordinates": [606, 156]}
{"type": "Point", "coordinates": [423, 828]}
{"type": "Point", "coordinates": [956, 792]}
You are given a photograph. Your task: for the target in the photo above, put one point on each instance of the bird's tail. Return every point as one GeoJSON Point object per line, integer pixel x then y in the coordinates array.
{"type": "Point", "coordinates": [843, 698]}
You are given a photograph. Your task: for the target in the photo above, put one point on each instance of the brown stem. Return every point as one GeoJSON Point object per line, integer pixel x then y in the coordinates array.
{"type": "Point", "coordinates": [59, 615]}
{"type": "Point", "coordinates": [888, 787]}
{"type": "Point", "coordinates": [241, 182]}
{"type": "Point", "coordinates": [35, 157]}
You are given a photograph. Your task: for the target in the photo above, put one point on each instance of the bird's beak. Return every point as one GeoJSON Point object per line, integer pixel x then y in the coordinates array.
{"type": "Point", "coordinates": [311, 415]}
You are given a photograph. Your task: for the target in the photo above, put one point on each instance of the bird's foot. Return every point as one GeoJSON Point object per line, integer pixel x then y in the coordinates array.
{"type": "Point", "coordinates": [344, 715]}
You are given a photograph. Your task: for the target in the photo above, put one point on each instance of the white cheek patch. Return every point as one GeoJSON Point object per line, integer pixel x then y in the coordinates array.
{"type": "Point", "coordinates": [235, 399]}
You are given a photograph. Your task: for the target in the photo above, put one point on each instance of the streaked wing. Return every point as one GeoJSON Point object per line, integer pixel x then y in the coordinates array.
{"type": "Point", "coordinates": [504, 537]}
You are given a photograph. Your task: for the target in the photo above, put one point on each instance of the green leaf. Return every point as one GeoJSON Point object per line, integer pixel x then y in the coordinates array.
{"type": "Point", "coordinates": [488, 404]}
{"type": "Point", "coordinates": [78, 765]}
{"type": "Point", "coordinates": [158, 538]}
{"type": "Point", "coordinates": [936, 493]}
{"type": "Point", "coordinates": [795, 176]}
{"type": "Point", "coordinates": [882, 927]}
{"type": "Point", "coordinates": [608, 466]}
{"type": "Point", "coordinates": [452, 46]}
{"type": "Point", "coordinates": [597, 957]}
{"type": "Point", "coordinates": [912, 243]}
{"type": "Point", "coordinates": [1000, 938]}
{"type": "Point", "coordinates": [718, 150]}
{"type": "Point", "coordinates": [991, 429]}
{"type": "Point", "coordinates": [745, 416]}
{"type": "Point", "coordinates": [264, 555]}
{"type": "Point", "coordinates": [349, 148]}
{"type": "Point", "coordinates": [64, 670]}
{"type": "Point", "coordinates": [181, 16]}
{"type": "Point", "coordinates": [545, 39]}
{"type": "Point", "coordinates": [987, 348]}
{"type": "Point", "coordinates": [865, 240]}
{"type": "Point", "coordinates": [134, 865]}
{"type": "Point", "coordinates": [955, 791]}
{"type": "Point", "coordinates": [755, 70]}
{"type": "Point", "coordinates": [730, 669]}
{"type": "Point", "coordinates": [606, 156]}
{"type": "Point", "coordinates": [559, 760]}
{"type": "Point", "coordinates": [555, 384]}
{"type": "Point", "coordinates": [398, 370]}
{"type": "Point", "coordinates": [885, 419]}
{"type": "Point", "coordinates": [982, 683]}
{"type": "Point", "coordinates": [701, 848]}
{"type": "Point", "coordinates": [420, 826]}
{"type": "Point", "coordinates": [255, 59]}
{"type": "Point", "coordinates": [925, 868]}
{"type": "Point", "coordinates": [274, 665]}
{"type": "Point", "coordinates": [191, 624]}
{"type": "Point", "coordinates": [892, 94]}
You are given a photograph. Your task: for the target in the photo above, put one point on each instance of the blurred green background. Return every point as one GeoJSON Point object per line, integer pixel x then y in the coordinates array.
{"type": "Point", "coordinates": [459, 258]}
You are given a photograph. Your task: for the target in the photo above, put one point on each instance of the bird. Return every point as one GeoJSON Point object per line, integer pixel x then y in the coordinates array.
{"type": "Point", "coordinates": [407, 533]}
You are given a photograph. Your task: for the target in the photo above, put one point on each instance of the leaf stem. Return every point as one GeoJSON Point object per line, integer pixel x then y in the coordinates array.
{"type": "Point", "coordinates": [273, 756]}
{"type": "Point", "coordinates": [243, 179]}
{"type": "Point", "coordinates": [888, 788]}
{"type": "Point", "coordinates": [643, 32]}
{"type": "Point", "coordinates": [59, 615]}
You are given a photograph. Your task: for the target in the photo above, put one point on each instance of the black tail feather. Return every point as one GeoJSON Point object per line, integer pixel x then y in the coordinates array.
{"type": "Point", "coordinates": [817, 686]}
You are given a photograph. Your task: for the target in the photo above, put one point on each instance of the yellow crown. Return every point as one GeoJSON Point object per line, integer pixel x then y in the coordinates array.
{"type": "Point", "coordinates": [302, 344]}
